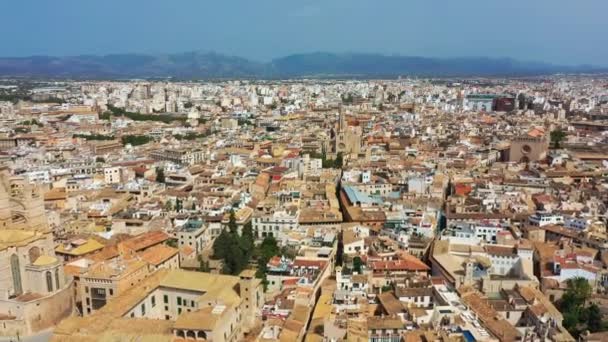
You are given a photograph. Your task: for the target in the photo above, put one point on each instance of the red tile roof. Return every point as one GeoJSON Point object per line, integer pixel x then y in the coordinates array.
{"type": "Point", "coordinates": [145, 240]}
{"type": "Point", "coordinates": [411, 264]}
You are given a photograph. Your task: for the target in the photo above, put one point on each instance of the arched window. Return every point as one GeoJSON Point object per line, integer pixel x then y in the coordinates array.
{"type": "Point", "coordinates": [49, 281]}
{"type": "Point", "coordinates": [16, 272]}
{"type": "Point", "coordinates": [202, 335]}
{"type": "Point", "coordinates": [57, 284]}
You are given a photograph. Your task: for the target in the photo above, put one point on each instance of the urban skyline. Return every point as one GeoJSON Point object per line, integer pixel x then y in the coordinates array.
{"type": "Point", "coordinates": [381, 189]}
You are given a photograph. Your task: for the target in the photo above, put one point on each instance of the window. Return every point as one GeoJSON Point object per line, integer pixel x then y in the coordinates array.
{"type": "Point", "coordinates": [179, 311]}
{"type": "Point", "coordinates": [192, 303]}
{"type": "Point", "coordinates": [153, 300]}
{"type": "Point", "coordinates": [179, 300]}
{"type": "Point", "coordinates": [57, 279]}
{"type": "Point", "coordinates": [166, 299]}
{"type": "Point", "coordinates": [49, 281]}
{"type": "Point", "coordinates": [16, 272]}
{"type": "Point", "coordinates": [143, 309]}
{"type": "Point", "coordinates": [111, 292]}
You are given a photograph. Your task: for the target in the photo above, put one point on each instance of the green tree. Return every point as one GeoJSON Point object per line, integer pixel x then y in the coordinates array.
{"type": "Point", "coordinates": [557, 136]}
{"type": "Point", "coordinates": [357, 264]}
{"type": "Point", "coordinates": [246, 242]}
{"type": "Point", "coordinates": [570, 322]}
{"type": "Point", "coordinates": [232, 226]}
{"type": "Point", "coordinates": [160, 175]}
{"type": "Point", "coordinates": [247, 233]}
{"type": "Point", "coordinates": [234, 250]}
{"type": "Point", "coordinates": [339, 160]}
{"type": "Point", "coordinates": [222, 249]}
{"type": "Point", "coordinates": [267, 249]}
{"type": "Point", "coordinates": [577, 316]}
{"type": "Point", "coordinates": [340, 251]}
{"type": "Point", "coordinates": [594, 318]}
{"type": "Point", "coordinates": [578, 292]}
{"type": "Point", "coordinates": [262, 271]}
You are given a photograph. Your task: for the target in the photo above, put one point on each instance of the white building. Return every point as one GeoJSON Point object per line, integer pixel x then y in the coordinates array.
{"type": "Point", "coordinates": [192, 234]}
{"type": "Point", "coordinates": [112, 175]}
{"type": "Point", "coordinates": [276, 225]}
{"type": "Point", "coordinates": [544, 219]}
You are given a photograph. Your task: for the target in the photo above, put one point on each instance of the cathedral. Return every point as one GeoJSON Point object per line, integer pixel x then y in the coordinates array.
{"type": "Point", "coordinates": [34, 291]}
{"type": "Point", "coordinates": [347, 139]}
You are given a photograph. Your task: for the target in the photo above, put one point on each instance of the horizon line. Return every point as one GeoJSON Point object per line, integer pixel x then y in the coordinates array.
{"type": "Point", "coordinates": [267, 61]}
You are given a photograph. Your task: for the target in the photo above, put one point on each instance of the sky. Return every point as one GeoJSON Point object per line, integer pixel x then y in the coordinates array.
{"type": "Point", "coordinates": [564, 32]}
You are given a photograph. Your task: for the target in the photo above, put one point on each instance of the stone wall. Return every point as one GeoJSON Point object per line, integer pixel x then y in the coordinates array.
{"type": "Point", "coordinates": [37, 315]}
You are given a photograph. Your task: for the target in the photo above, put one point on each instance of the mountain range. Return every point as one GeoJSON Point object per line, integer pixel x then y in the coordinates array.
{"type": "Point", "coordinates": [197, 65]}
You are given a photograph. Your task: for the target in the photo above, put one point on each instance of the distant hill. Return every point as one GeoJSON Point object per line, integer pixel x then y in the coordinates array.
{"type": "Point", "coordinates": [195, 65]}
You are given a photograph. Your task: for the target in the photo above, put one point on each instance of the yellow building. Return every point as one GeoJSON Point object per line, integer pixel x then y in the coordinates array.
{"type": "Point", "coordinates": [172, 304]}
{"type": "Point", "coordinates": [77, 248]}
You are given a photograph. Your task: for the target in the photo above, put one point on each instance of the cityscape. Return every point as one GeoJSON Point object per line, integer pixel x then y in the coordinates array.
{"type": "Point", "coordinates": [318, 197]}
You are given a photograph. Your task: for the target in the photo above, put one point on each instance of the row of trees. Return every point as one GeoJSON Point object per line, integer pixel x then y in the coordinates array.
{"type": "Point", "coordinates": [114, 111]}
{"type": "Point", "coordinates": [16, 97]}
{"type": "Point", "coordinates": [135, 140]}
{"type": "Point", "coordinates": [31, 123]}
{"type": "Point", "coordinates": [94, 136]}
{"type": "Point", "coordinates": [190, 136]}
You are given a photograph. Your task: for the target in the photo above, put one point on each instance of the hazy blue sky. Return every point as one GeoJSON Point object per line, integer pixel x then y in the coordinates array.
{"type": "Point", "coordinates": [559, 31]}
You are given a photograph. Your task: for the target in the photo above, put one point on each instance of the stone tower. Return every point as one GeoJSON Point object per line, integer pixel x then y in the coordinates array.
{"type": "Point", "coordinates": [469, 267]}
{"type": "Point", "coordinates": [251, 292]}
{"type": "Point", "coordinates": [5, 201]}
